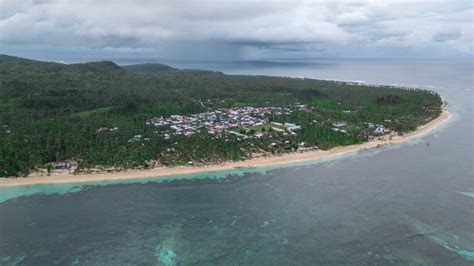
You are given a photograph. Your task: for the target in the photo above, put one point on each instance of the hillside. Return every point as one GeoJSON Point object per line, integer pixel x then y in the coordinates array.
{"type": "Point", "coordinates": [10, 65]}
{"type": "Point", "coordinates": [148, 68]}
{"type": "Point", "coordinates": [101, 114]}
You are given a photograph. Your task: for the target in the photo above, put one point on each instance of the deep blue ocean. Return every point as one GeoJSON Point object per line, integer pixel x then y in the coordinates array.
{"type": "Point", "coordinates": [411, 203]}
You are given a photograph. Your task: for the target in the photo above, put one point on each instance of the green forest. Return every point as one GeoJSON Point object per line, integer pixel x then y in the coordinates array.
{"type": "Point", "coordinates": [51, 112]}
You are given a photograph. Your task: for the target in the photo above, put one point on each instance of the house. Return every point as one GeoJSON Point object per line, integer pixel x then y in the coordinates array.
{"type": "Point", "coordinates": [339, 124]}
{"type": "Point", "coordinates": [135, 138]}
{"type": "Point", "coordinates": [61, 165]}
{"type": "Point", "coordinates": [293, 128]}
{"type": "Point", "coordinates": [276, 124]}
{"type": "Point", "coordinates": [212, 117]}
{"type": "Point", "coordinates": [380, 130]}
{"type": "Point", "coordinates": [149, 163]}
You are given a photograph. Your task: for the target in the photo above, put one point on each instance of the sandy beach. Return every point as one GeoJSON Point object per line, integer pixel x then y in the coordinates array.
{"type": "Point", "coordinates": [257, 162]}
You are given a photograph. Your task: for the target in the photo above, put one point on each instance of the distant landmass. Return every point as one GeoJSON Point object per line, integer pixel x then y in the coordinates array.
{"type": "Point", "coordinates": [100, 116]}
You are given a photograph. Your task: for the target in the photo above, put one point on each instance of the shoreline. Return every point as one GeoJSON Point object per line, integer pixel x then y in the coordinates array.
{"type": "Point", "coordinates": [59, 178]}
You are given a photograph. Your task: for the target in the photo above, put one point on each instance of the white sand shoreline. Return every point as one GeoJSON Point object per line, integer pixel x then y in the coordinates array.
{"type": "Point", "coordinates": [252, 163]}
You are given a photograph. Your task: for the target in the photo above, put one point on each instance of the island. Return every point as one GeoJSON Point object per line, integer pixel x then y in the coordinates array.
{"type": "Point", "coordinates": [97, 120]}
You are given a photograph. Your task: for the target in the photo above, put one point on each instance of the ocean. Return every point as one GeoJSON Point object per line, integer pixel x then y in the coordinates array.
{"type": "Point", "coordinates": [411, 203]}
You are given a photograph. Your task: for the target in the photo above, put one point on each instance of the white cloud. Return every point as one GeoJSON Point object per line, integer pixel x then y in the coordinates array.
{"type": "Point", "coordinates": [279, 26]}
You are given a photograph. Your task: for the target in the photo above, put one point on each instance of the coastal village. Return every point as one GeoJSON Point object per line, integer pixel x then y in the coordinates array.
{"type": "Point", "coordinates": [241, 122]}
{"type": "Point", "coordinates": [234, 121]}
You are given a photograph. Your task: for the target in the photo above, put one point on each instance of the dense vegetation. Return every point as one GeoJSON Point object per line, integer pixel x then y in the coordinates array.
{"type": "Point", "coordinates": [148, 68]}
{"type": "Point", "coordinates": [51, 112]}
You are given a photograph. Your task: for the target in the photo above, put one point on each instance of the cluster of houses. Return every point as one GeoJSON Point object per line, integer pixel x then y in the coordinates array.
{"type": "Point", "coordinates": [302, 146]}
{"type": "Point", "coordinates": [378, 129]}
{"type": "Point", "coordinates": [221, 120]}
{"type": "Point", "coordinates": [338, 126]}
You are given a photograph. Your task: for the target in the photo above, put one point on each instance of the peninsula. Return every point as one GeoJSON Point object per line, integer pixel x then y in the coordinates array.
{"type": "Point", "coordinates": [98, 120]}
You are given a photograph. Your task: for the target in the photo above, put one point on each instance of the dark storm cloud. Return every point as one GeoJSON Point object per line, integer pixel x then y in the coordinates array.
{"type": "Point", "coordinates": [237, 29]}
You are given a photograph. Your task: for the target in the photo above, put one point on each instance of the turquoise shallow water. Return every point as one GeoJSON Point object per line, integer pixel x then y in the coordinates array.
{"type": "Point", "coordinates": [405, 204]}
{"type": "Point", "coordinates": [7, 193]}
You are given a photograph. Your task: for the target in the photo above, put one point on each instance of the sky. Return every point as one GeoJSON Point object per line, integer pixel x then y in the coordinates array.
{"type": "Point", "coordinates": [236, 30]}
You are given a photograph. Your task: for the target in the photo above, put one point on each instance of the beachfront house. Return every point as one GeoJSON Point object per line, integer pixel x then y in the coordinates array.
{"type": "Point", "coordinates": [380, 130]}
{"type": "Point", "coordinates": [61, 165]}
